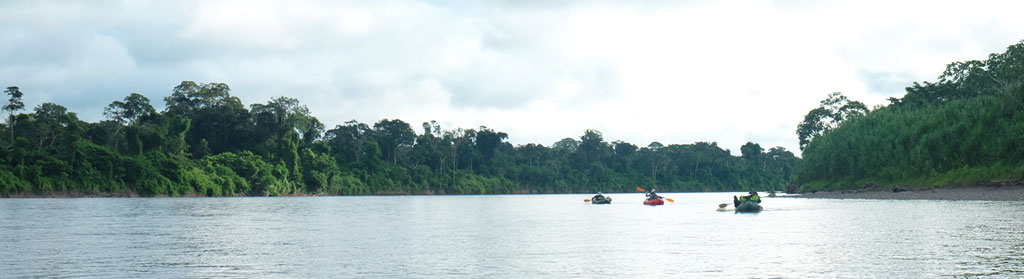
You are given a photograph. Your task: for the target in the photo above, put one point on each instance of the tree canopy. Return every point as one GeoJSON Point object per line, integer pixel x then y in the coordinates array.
{"type": "Point", "coordinates": [207, 143]}
{"type": "Point", "coordinates": [964, 129]}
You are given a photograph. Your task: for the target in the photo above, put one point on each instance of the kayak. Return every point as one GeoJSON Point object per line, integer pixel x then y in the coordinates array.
{"type": "Point", "coordinates": [601, 200]}
{"type": "Point", "coordinates": [657, 201]}
{"type": "Point", "coordinates": [748, 206]}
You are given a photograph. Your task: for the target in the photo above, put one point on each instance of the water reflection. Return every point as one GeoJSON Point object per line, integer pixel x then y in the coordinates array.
{"type": "Point", "coordinates": [508, 236]}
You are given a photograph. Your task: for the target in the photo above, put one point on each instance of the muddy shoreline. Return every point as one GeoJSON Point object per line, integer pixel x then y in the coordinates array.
{"type": "Point", "coordinates": [973, 193]}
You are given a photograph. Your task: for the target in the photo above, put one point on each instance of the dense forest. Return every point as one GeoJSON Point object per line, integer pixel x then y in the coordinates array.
{"type": "Point", "coordinates": [963, 129]}
{"type": "Point", "coordinates": [967, 128]}
{"type": "Point", "coordinates": [207, 143]}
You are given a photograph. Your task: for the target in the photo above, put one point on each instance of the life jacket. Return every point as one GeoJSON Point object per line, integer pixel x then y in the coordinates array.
{"type": "Point", "coordinates": [753, 198]}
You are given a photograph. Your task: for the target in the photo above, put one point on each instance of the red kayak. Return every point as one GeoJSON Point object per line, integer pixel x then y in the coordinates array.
{"type": "Point", "coordinates": [657, 201]}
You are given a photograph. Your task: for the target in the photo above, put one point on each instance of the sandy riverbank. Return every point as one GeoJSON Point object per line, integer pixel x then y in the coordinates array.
{"type": "Point", "coordinates": [975, 193]}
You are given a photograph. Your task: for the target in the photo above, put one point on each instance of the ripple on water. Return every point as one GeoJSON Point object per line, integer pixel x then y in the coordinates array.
{"type": "Point", "coordinates": [525, 236]}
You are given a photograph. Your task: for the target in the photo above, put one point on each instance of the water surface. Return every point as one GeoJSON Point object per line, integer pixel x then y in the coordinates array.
{"type": "Point", "coordinates": [508, 236]}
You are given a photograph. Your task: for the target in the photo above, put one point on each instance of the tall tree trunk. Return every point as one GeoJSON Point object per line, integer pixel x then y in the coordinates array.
{"type": "Point", "coordinates": [13, 123]}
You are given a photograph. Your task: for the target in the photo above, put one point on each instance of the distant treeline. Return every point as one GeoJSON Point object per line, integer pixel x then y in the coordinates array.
{"type": "Point", "coordinates": [207, 143]}
{"type": "Point", "coordinates": [965, 129]}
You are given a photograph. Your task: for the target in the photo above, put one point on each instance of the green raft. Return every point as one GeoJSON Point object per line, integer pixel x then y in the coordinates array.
{"type": "Point", "coordinates": [748, 206]}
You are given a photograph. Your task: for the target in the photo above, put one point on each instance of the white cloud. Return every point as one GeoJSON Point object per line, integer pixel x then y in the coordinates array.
{"type": "Point", "coordinates": [638, 71]}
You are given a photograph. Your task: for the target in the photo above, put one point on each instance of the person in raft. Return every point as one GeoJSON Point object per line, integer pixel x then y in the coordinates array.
{"type": "Point", "coordinates": [752, 197]}
{"type": "Point", "coordinates": [653, 195]}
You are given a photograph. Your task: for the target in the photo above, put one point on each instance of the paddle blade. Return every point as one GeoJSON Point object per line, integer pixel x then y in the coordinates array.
{"type": "Point", "coordinates": [640, 189]}
{"type": "Point", "coordinates": [586, 200]}
{"type": "Point", "coordinates": [669, 200]}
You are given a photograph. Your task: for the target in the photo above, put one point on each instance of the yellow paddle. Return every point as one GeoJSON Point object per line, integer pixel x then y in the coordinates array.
{"type": "Point", "coordinates": [586, 200]}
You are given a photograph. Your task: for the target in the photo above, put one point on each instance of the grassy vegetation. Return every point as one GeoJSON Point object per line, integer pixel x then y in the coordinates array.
{"type": "Point", "coordinates": [966, 129]}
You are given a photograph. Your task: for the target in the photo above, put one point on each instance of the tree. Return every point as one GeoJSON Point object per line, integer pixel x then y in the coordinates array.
{"type": "Point", "coordinates": [14, 104]}
{"type": "Point", "coordinates": [52, 119]}
{"type": "Point", "coordinates": [782, 161]}
{"type": "Point", "coordinates": [208, 143]}
{"type": "Point", "coordinates": [624, 149]}
{"type": "Point", "coordinates": [115, 111]}
{"type": "Point", "coordinates": [131, 109]}
{"type": "Point", "coordinates": [592, 146]}
{"type": "Point", "coordinates": [430, 148]}
{"type": "Point", "coordinates": [279, 115]}
{"type": "Point", "coordinates": [963, 129]}
{"type": "Point", "coordinates": [279, 125]}
{"type": "Point", "coordinates": [625, 152]}
{"type": "Point", "coordinates": [968, 79]}
{"type": "Point", "coordinates": [137, 106]}
{"type": "Point", "coordinates": [458, 141]}
{"type": "Point", "coordinates": [312, 129]}
{"type": "Point", "coordinates": [216, 116]}
{"type": "Point", "coordinates": [392, 135]}
{"type": "Point", "coordinates": [568, 145]}
{"type": "Point", "coordinates": [751, 151]}
{"type": "Point", "coordinates": [532, 154]}
{"type": "Point", "coordinates": [833, 111]}
{"type": "Point", "coordinates": [284, 113]}
{"type": "Point", "coordinates": [227, 126]}
{"type": "Point", "coordinates": [182, 100]}
{"type": "Point", "coordinates": [487, 142]}
{"type": "Point", "coordinates": [189, 96]}
{"type": "Point", "coordinates": [655, 146]}
{"type": "Point", "coordinates": [654, 158]}
{"type": "Point", "coordinates": [127, 112]}
{"type": "Point", "coordinates": [347, 141]}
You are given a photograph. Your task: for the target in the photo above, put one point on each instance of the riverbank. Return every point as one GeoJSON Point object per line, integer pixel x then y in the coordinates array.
{"type": "Point", "coordinates": [125, 194]}
{"type": "Point", "coordinates": [73, 194]}
{"type": "Point", "coordinates": [973, 193]}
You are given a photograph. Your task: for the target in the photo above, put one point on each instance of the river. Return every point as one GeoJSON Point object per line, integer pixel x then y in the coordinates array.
{"type": "Point", "coordinates": [508, 236]}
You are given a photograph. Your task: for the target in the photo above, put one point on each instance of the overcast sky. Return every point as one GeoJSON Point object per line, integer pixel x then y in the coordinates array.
{"type": "Point", "coordinates": [638, 71]}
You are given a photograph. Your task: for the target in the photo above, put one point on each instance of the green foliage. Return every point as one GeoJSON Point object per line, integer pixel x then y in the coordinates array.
{"type": "Point", "coordinates": [13, 104]}
{"type": "Point", "coordinates": [751, 151]}
{"type": "Point", "coordinates": [12, 183]}
{"type": "Point", "coordinates": [833, 111]}
{"type": "Point", "coordinates": [206, 143]}
{"type": "Point", "coordinates": [964, 130]}
{"type": "Point", "coordinates": [258, 176]}
{"type": "Point", "coordinates": [133, 107]}
{"type": "Point", "coordinates": [392, 136]}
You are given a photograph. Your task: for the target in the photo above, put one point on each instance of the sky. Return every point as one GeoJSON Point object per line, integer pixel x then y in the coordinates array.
{"type": "Point", "coordinates": [675, 72]}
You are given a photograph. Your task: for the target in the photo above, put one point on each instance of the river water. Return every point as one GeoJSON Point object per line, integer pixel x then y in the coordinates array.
{"type": "Point", "coordinates": [508, 236]}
